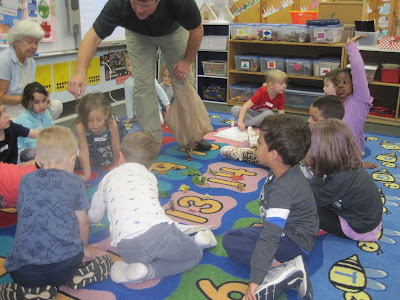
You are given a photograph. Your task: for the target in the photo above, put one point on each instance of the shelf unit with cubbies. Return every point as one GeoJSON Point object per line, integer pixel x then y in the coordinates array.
{"type": "Point", "coordinates": [214, 47]}
{"type": "Point", "coordinates": [386, 93]}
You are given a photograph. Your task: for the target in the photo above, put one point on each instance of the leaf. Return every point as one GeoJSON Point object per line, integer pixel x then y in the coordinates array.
{"type": "Point", "coordinates": [184, 188]}
{"type": "Point", "coordinates": [213, 172]}
{"type": "Point", "coordinates": [237, 177]}
{"type": "Point", "coordinates": [196, 180]}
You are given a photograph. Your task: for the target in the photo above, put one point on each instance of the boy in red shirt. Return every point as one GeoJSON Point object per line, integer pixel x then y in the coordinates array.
{"type": "Point", "coordinates": [9, 182]}
{"type": "Point", "coordinates": [267, 97]}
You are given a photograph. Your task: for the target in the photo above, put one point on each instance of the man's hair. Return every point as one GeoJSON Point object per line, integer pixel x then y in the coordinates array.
{"type": "Point", "coordinates": [140, 147]}
{"type": "Point", "coordinates": [25, 28]}
{"type": "Point", "coordinates": [27, 95]}
{"type": "Point", "coordinates": [275, 75]}
{"type": "Point", "coordinates": [333, 148]}
{"type": "Point", "coordinates": [332, 75]}
{"type": "Point", "coordinates": [55, 144]}
{"type": "Point", "coordinates": [289, 136]}
{"type": "Point", "coordinates": [91, 102]}
{"type": "Point", "coordinates": [330, 107]}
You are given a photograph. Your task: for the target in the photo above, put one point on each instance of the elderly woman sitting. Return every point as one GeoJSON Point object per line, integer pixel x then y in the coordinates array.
{"type": "Point", "coordinates": [18, 67]}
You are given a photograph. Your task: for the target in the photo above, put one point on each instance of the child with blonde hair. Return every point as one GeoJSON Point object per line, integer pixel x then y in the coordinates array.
{"type": "Point", "coordinates": [53, 228]}
{"type": "Point", "coordinates": [98, 134]}
{"type": "Point", "coordinates": [349, 202]}
{"type": "Point", "coordinates": [330, 82]}
{"type": "Point", "coordinates": [149, 242]}
{"type": "Point", "coordinates": [267, 97]}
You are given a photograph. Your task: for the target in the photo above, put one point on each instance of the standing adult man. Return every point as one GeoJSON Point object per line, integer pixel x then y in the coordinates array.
{"type": "Point", "coordinates": [174, 25]}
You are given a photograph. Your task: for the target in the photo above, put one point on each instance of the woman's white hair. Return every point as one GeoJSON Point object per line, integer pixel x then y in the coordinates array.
{"type": "Point", "coordinates": [25, 28]}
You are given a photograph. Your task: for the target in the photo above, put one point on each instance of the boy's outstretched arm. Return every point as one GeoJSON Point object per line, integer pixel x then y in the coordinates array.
{"type": "Point", "coordinates": [250, 292]}
{"type": "Point", "coordinates": [93, 250]}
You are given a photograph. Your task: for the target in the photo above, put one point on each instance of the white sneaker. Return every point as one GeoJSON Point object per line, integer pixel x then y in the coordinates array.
{"type": "Point", "coordinates": [305, 289]}
{"type": "Point", "coordinates": [279, 279]}
{"type": "Point", "coordinates": [253, 137]}
{"type": "Point", "coordinates": [234, 152]}
{"type": "Point", "coordinates": [118, 272]}
{"type": "Point", "coordinates": [205, 239]}
{"type": "Point", "coordinates": [122, 272]}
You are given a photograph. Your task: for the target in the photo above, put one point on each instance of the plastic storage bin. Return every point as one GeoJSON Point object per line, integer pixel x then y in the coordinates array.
{"type": "Point", "coordinates": [301, 97]}
{"type": "Point", "coordinates": [330, 34]}
{"type": "Point", "coordinates": [272, 63]}
{"type": "Point", "coordinates": [239, 92]}
{"type": "Point", "coordinates": [390, 73]}
{"type": "Point", "coordinates": [299, 66]}
{"type": "Point", "coordinates": [369, 40]}
{"type": "Point", "coordinates": [300, 17]}
{"type": "Point", "coordinates": [214, 93]}
{"type": "Point", "coordinates": [370, 70]}
{"type": "Point", "coordinates": [214, 42]}
{"type": "Point", "coordinates": [249, 63]}
{"type": "Point", "coordinates": [238, 31]}
{"type": "Point", "coordinates": [214, 67]}
{"type": "Point", "coordinates": [294, 33]}
{"type": "Point", "coordinates": [267, 32]}
{"type": "Point", "coordinates": [322, 66]}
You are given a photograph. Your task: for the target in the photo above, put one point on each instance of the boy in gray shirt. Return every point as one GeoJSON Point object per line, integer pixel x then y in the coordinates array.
{"type": "Point", "coordinates": [288, 210]}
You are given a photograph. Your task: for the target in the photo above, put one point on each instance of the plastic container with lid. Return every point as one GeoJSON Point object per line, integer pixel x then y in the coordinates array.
{"type": "Point", "coordinates": [238, 31]}
{"type": "Point", "coordinates": [390, 73]}
{"type": "Point", "coordinates": [329, 34]}
{"type": "Point", "coordinates": [294, 33]}
{"type": "Point", "coordinates": [267, 32]}
{"type": "Point", "coordinates": [272, 63]}
{"type": "Point", "coordinates": [301, 96]}
{"type": "Point", "coordinates": [369, 40]}
{"type": "Point", "coordinates": [249, 63]}
{"type": "Point", "coordinates": [299, 66]}
{"type": "Point", "coordinates": [370, 70]}
{"type": "Point", "coordinates": [322, 66]}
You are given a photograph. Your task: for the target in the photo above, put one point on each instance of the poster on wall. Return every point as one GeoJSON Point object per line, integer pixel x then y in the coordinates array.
{"type": "Point", "coordinates": [42, 12]}
{"type": "Point", "coordinates": [9, 15]}
{"type": "Point", "coordinates": [114, 67]}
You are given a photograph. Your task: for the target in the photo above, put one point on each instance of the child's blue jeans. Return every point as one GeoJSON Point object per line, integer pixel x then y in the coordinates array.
{"type": "Point", "coordinates": [240, 244]}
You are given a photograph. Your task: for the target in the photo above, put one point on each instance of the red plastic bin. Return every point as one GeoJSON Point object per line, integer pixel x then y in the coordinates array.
{"type": "Point", "coordinates": [300, 17]}
{"type": "Point", "coordinates": [390, 75]}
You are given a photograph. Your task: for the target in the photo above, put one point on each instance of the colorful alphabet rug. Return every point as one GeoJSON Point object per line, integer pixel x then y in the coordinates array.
{"type": "Point", "coordinates": [211, 190]}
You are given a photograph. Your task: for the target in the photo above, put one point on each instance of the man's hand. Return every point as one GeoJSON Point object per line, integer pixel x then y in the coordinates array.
{"type": "Point", "coordinates": [93, 251]}
{"type": "Point", "coordinates": [77, 85]}
{"type": "Point", "coordinates": [250, 292]}
{"type": "Point", "coordinates": [181, 69]}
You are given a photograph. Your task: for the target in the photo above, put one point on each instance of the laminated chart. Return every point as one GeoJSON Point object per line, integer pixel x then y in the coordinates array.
{"type": "Point", "coordinates": [43, 76]}
{"type": "Point", "coordinates": [61, 76]}
{"type": "Point", "coordinates": [93, 72]}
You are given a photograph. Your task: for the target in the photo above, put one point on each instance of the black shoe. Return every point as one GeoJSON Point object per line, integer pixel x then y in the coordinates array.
{"type": "Point", "coordinates": [203, 146]}
{"type": "Point", "coordinates": [14, 291]}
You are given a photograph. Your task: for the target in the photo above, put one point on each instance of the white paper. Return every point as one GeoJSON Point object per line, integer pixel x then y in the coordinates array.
{"type": "Point", "coordinates": [233, 133]}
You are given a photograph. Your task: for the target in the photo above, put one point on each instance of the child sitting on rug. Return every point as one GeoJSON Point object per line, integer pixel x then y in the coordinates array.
{"type": "Point", "coordinates": [288, 211]}
{"type": "Point", "coordinates": [322, 108]}
{"type": "Point", "coordinates": [98, 132]}
{"type": "Point", "coordinates": [330, 82]}
{"type": "Point", "coordinates": [352, 89]}
{"type": "Point", "coordinates": [53, 228]}
{"type": "Point", "coordinates": [128, 87]}
{"type": "Point", "coordinates": [349, 202]}
{"type": "Point", "coordinates": [9, 133]}
{"type": "Point", "coordinates": [35, 100]}
{"type": "Point", "coordinates": [9, 182]}
{"type": "Point", "coordinates": [148, 241]}
{"type": "Point", "coordinates": [267, 97]}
